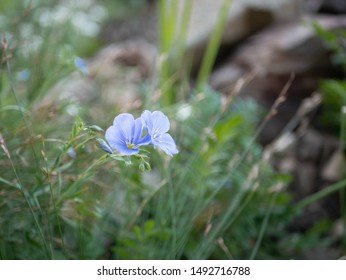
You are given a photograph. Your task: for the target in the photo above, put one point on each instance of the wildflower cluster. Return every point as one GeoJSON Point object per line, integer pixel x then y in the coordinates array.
{"type": "Point", "coordinates": [128, 134]}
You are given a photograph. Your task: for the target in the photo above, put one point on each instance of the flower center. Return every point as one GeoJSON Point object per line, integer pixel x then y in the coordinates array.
{"type": "Point", "coordinates": [130, 146]}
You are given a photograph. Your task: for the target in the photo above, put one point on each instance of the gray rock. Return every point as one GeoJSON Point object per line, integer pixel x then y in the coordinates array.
{"type": "Point", "coordinates": [334, 6]}
{"type": "Point", "coordinates": [270, 57]}
{"type": "Point", "coordinates": [280, 50]}
{"type": "Point", "coordinates": [245, 17]}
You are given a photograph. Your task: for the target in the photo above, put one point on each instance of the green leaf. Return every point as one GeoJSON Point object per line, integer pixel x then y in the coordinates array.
{"type": "Point", "coordinates": [148, 227]}
{"type": "Point", "coordinates": [225, 130]}
{"type": "Point", "coordinates": [8, 182]}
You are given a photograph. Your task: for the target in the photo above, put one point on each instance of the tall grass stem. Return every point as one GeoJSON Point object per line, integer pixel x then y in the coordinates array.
{"type": "Point", "coordinates": [213, 45]}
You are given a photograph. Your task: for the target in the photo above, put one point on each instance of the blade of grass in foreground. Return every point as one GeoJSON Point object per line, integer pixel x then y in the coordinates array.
{"type": "Point", "coordinates": [19, 184]}
{"type": "Point", "coordinates": [172, 30]}
{"type": "Point", "coordinates": [167, 16]}
{"type": "Point", "coordinates": [264, 225]}
{"type": "Point", "coordinates": [231, 212]}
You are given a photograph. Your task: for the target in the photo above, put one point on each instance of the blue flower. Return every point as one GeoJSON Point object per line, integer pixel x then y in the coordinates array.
{"type": "Point", "coordinates": [125, 135]}
{"type": "Point", "coordinates": [71, 152]}
{"type": "Point", "coordinates": [23, 75]}
{"type": "Point", "coordinates": [157, 124]}
{"type": "Point", "coordinates": [81, 66]}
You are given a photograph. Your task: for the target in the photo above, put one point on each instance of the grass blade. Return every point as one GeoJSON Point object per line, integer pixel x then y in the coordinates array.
{"type": "Point", "coordinates": [213, 45]}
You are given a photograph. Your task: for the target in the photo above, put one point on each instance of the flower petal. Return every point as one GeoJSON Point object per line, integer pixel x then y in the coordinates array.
{"type": "Point", "coordinates": [137, 131]}
{"type": "Point", "coordinates": [166, 143]}
{"type": "Point", "coordinates": [104, 146]}
{"type": "Point", "coordinates": [160, 124]}
{"type": "Point", "coordinates": [81, 66]}
{"type": "Point", "coordinates": [146, 140]}
{"type": "Point", "coordinates": [126, 151]}
{"type": "Point", "coordinates": [71, 152]}
{"type": "Point", "coordinates": [125, 122]}
{"type": "Point", "coordinates": [115, 136]}
{"type": "Point", "coordinates": [147, 120]}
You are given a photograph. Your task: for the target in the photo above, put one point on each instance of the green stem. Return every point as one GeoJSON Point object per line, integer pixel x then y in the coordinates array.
{"type": "Point", "coordinates": [166, 16]}
{"type": "Point", "coordinates": [264, 225]}
{"type": "Point", "coordinates": [21, 188]}
{"type": "Point", "coordinates": [93, 165]}
{"type": "Point", "coordinates": [320, 194]}
{"type": "Point", "coordinates": [213, 45]}
{"type": "Point", "coordinates": [55, 209]}
{"type": "Point", "coordinates": [184, 27]}
{"type": "Point", "coordinates": [19, 184]}
{"type": "Point", "coordinates": [224, 220]}
{"type": "Point", "coordinates": [9, 75]}
{"type": "Point", "coordinates": [174, 217]}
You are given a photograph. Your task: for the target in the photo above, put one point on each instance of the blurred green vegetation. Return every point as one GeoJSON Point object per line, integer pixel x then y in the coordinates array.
{"type": "Point", "coordinates": [333, 109]}
{"type": "Point", "coordinates": [333, 90]}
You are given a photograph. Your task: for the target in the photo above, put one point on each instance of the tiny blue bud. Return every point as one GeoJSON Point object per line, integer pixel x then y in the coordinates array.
{"type": "Point", "coordinates": [104, 146]}
{"type": "Point", "coordinates": [81, 66]}
{"type": "Point", "coordinates": [71, 152]}
{"type": "Point", "coordinates": [23, 75]}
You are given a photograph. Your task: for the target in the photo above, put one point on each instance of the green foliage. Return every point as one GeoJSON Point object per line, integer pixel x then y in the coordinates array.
{"type": "Point", "coordinates": [211, 189]}
{"type": "Point", "coordinates": [334, 91]}
{"type": "Point", "coordinates": [335, 41]}
{"type": "Point", "coordinates": [334, 108]}
{"type": "Point", "coordinates": [314, 240]}
{"type": "Point", "coordinates": [213, 45]}
{"type": "Point", "coordinates": [142, 242]}
{"type": "Point", "coordinates": [334, 97]}
{"type": "Point", "coordinates": [172, 40]}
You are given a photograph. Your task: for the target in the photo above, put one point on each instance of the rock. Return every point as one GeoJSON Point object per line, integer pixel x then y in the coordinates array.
{"type": "Point", "coordinates": [312, 151]}
{"type": "Point", "coordinates": [120, 68]}
{"type": "Point", "coordinates": [309, 146]}
{"type": "Point", "coordinates": [311, 158]}
{"type": "Point", "coordinates": [244, 18]}
{"type": "Point", "coordinates": [324, 6]}
{"type": "Point", "coordinates": [271, 57]}
{"type": "Point", "coordinates": [278, 51]}
{"type": "Point", "coordinates": [338, 229]}
{"type": "Point", "coordinates": [331, 171]}
{"type": "Point", "coordinates": [248, 16]}
{"type": "Point", "coordinates": [333, 6]}
{"type": "Point", "coordinates": [305, 179]}
{"type": "Point", "coordinates": [311, 6]}
{"type": "Point", "coordinates": [283, 153]}
{"type": "Point", "coordinates": [242, 14]}
{"type": "Point", "coordinates": [138, 24]}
